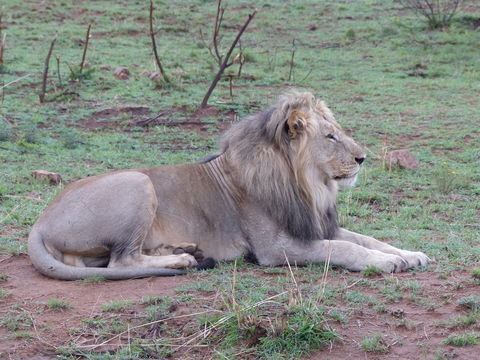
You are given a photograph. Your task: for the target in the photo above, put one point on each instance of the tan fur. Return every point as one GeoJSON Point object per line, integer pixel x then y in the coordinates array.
{"type": "Point", "coordinates": [271, 193]}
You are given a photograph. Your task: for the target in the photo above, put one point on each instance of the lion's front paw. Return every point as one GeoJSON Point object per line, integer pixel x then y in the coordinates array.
{"type": "Point", "coordinates": [415, 258]}
{"type": "Point", "coordinates": [386, 262]}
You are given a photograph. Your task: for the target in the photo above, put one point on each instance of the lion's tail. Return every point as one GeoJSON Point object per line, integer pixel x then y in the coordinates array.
{"type": "Point", "coordinates": [45, 263]}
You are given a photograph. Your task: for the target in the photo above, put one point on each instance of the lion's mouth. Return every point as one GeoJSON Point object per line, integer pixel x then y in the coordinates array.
{"type": "Point", "coordinates": [346, 180]}
{"type": "Point", "coordinates": [345, 177]}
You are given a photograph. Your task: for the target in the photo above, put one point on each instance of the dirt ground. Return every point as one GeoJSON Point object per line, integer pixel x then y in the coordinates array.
{"type": "Point", "coordinates": [409, 330]}
{"type": "Point", "coordinates": [29, 289]}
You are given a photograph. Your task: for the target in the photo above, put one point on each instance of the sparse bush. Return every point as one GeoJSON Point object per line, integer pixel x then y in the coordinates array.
{"type": "Point", "coordinates": [476, 273]}
{"type": "Point", "coordinates": [71, 138]}
{"type": "Point", "coordinates": [374, 343]}
{"type": "Point", "coordinates": [448, 179]}
{"type": "Point", "coordinates": [58, 304]}
{"type": "Point", "coordinates": [301, 332]}
{"type": "Point", "coordinates": [16, 321]}
{"type": "Point", "coordinates": [469, 338]}
{"type": "Point", "coordinates": [471, 302]}
{"type": "Point", "coordinates": [350, 35]}
{"type": "Point", "coordinates": [438, 13]}
{"type": "Point", "coordinates": [28, 133]}
{"type": "Point", "coordinates": [6, 132]}
{"type": "Point", "coordinates": [4, 293]}
{"type": "Point", "coordinates": [78, 74]}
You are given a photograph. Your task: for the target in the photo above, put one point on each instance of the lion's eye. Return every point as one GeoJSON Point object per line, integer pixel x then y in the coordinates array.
{"type": "Point", "coordinates": [332, 137]}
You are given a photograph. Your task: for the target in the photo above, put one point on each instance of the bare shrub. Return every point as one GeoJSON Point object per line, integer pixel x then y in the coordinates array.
{"type": "Point", "coordinates": [438, 13]}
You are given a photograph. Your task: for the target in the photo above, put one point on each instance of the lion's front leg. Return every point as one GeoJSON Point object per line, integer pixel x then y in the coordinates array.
{"type": "Point", "coordinates": [413, 258]}
{"type": "Point", "coordinates": [338, 252]}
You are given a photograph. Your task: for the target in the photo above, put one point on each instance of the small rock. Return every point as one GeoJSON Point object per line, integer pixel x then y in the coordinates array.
{"type": "Point", "coordinates": [121, 73]}
{"type": "Point", "coordinates": [398, 313]}
{"type": "Point", "coordinates": [51, 177]}
{"type": "Point", "coordinates": [155, 76]}
{"type": "Point", "coordinates": [179, 72]}
{"type": "Point", "coordinates": [402, 158]}
{"type": "Point", "coordinates": [417, 73]}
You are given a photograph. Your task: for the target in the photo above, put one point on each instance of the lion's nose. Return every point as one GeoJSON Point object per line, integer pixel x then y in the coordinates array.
{"type": "Point", "coordinates": [360, 160]}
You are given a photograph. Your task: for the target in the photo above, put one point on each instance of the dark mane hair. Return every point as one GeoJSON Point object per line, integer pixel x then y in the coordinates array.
{"type": "Point", "coordinates": [276, 176]}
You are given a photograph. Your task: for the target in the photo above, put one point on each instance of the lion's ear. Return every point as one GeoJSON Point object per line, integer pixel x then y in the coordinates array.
{"type": "Point", "coordinates": [296, 123]}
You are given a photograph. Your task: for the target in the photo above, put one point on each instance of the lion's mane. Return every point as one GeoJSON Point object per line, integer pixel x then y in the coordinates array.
{"type": "Point", "coordinates": [282, 179]}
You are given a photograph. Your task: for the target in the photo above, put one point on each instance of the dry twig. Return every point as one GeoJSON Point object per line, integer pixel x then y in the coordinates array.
{"type": "Point", "coordinates": [216, 31]}
{"type": "Point", "coordinates": [241, 59]}
{"type": "Point", "coordinates": [225, 64]}
{"type": "Point", "coordinates": [58, 72]}
{"type": "Point", "coordinates": [3, 41]}
{"type": "Point", "coordinates": [292, 63]}
{"type": "Point", "coordinates": [14, 81]}
{"type": "Point", "coordinates": [154, 45]}
{"type": "Point", "coordinates": [85, 47]}
{"type": "Point", "coordinates": [45, 71]}
{"type": "Point", "coordinates": [150, 120]}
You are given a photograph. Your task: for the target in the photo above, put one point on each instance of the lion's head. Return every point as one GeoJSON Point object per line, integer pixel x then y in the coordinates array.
{"type": "Point", "coordinates": [290, 158]}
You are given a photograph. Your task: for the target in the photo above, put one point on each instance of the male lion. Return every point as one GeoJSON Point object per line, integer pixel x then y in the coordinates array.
{"type": "Point", "coordinates": [270, 193]}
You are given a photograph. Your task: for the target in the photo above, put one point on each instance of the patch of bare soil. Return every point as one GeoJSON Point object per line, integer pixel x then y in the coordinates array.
{"type": "Point", "coordinates": [121, 118]}
{"type": "Point", "coordinates": [31, 290]}
{"type": "Point", "coordinates": [102, 119]}
{"type": "Point", "coordinates": [410, 328]}
{"type": "Point", "coordinates": [209, 112]}
{"type": "Point", "coordinates": [111, 34]}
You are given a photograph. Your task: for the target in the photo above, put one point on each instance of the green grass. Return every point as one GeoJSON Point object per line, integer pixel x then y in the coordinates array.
{"type": "Point", "coordinates": [374, 343]}
{"type": "Point", "coordinates": [16, 320]}
{"type": "Point", "coordinates": [159, 307]}
{"type": "Point", "coordinates": [363, 58]}
{"type": "Point", "coordinates": [58, 304]}
{"type": "Point", "coordinates": [476, 273]}
{"type": "Point", "coordinates": [471, 302]}
{"type": "Point", "coordinates": [4, 294]}
{"type": "Point", "coordinates": [22, 335]}
{"type": "Point", "coordinates": [468, 338]}
{"type": "Point", "coordinates": [92, 280]}
{"type": "Point", "coordinates": [116, 305]}
{"type": "Point", "coordinates": [371, 271]}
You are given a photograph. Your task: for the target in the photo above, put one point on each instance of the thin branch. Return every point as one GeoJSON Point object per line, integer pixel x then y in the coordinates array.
{"type": "Point", "coordinates": [58, 72]}
{"type": "Point", "coordinates": [3, 42]}
{"type": "Point", "coordinates": [216, 31]}
{"type": "Point", "coordinates": [85, 47]}
{"type": "Point", "coordinates": [241, 59]}
{"type": "Point", "coordinates": [209, 47]}
{"type": "Point", "coordinates": [14, 81]}
{"type": "Point", "coordinates": [230, 84]}
{"type": "Point", "coordinates": [292, 63]}
{"type": "Point", "coordinates": [148, 121]}
{"type": "Point", "coordinates": [154, 45]}
{"type": "Point", "coordinates": [225, 63]}
{"type": "Point", "coordinates": [45, 71]}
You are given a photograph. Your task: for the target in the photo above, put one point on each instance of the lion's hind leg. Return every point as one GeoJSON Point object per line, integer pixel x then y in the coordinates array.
{"type": "Point", "coordinates": [141, 261]}
{"type": "Point", "coordinates": [128, 253]}
{"type": "Point", "coordinates": [177, 249]}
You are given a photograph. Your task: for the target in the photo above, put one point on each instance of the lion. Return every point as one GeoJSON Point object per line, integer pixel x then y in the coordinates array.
{"type": "Point", "coordinates": [270, 193]}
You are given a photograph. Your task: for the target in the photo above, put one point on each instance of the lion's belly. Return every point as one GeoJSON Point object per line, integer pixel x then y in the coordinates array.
{"type": "Point", "coordinates": [220, 243]}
